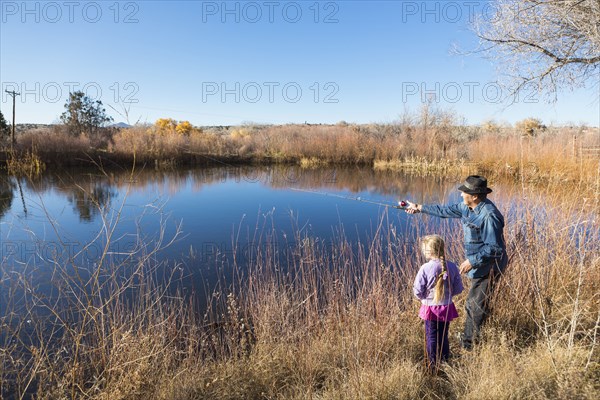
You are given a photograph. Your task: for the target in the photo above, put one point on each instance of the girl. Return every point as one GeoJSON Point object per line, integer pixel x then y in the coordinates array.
{"type": "Point", "coordinates": [436, 282]}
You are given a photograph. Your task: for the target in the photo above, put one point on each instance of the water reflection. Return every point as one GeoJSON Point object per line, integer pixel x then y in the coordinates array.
{"type": "Point", "coordinates": [90, 191]}
{"type": "Point", "coordinates": [218, 208]}
{"type": "Point", "coordinates": [90, 201]}
{"type": "Point", "coordinates": [223, 212]}
{"type": "Point", "coordinates": [7, 188]}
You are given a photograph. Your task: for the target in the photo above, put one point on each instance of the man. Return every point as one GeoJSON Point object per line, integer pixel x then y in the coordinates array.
{"type": "Point", "coordinates": [485, 248]}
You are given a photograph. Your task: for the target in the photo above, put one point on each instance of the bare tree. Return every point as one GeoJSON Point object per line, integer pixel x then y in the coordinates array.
{"type": "Point", "coordinates": [543, 45]}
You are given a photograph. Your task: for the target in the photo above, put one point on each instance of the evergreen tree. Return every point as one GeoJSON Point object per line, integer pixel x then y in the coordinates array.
{"type": "Point", "coordinates": [4, 128]}
{"type": "Point", "coordinates": [83, 115]}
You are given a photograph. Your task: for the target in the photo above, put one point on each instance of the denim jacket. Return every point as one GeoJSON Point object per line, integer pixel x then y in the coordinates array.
{"type": "Point", "coordinates": [484, 240]}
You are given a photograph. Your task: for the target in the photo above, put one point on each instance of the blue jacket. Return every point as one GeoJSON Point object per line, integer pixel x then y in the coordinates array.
{"type": "Point", "coordinates": [483, 229]}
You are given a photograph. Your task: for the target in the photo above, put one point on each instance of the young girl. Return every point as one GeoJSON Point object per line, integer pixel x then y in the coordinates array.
{"type": "Point", "coordinates": [436, 282]}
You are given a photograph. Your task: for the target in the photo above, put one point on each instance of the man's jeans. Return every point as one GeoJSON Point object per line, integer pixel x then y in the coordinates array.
{"type": "Point", "coordinates": [477, 308]}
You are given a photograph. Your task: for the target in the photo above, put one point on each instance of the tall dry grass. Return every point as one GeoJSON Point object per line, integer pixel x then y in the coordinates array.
{"type": "Point", "coordinates": [551, 158]}
{"type": "Point", "coordinates": [431, 142]}
{"type": "Point", "coordinates": [310, 319]}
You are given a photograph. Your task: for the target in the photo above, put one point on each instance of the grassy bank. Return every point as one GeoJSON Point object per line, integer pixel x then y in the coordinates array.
{"type": "Point", "coordinates": [329, 321]}
{"type": "Point", "coordinates": [548, 156]}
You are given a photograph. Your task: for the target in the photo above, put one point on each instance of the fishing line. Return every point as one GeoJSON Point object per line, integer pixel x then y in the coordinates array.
{"type": "Point", "coordinates": [402, 205]}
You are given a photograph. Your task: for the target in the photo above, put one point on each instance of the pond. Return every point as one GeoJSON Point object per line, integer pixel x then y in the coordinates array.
{"type": "Point", "coordinates": [199, 223]}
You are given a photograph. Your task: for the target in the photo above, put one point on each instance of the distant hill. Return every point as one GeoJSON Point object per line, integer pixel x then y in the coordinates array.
{"type": "Point", "coordinates": [27, 127]}
{"type": "Point", "coordinates": [120, 125]}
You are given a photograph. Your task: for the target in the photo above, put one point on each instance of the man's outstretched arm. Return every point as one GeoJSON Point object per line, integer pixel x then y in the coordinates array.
{"type": "Point", "coordinates": [451, 211]}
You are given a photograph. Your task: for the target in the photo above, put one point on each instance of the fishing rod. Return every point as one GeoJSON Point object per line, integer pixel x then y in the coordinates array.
{"type": "Point", "coordinates": [402, 205]}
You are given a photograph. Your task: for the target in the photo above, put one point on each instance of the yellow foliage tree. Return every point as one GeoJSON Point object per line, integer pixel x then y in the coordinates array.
{"type": "Point", "coordinates": [184, 128]}
{"type": "Point", "coordinates": [165, 125]}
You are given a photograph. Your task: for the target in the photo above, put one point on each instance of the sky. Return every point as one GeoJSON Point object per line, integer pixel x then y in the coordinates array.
{"type": "Point", "coordinates": [271, 62]}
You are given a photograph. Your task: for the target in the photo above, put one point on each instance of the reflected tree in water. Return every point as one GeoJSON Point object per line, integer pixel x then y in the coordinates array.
{"type": "Point", "coordinates": [7, 187]}
{"type": "Point", "coordinates": [89, 202]}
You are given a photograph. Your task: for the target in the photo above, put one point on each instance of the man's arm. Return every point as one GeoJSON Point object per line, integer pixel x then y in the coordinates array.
{"type": "Point", "coordinates": [452, 211]}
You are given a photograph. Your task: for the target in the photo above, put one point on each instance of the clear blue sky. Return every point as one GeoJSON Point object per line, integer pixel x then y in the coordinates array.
{"type": "Point", "coordinates": [216, 62]}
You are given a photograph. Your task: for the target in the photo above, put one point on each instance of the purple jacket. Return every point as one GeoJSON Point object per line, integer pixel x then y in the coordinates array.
{"type": "Point", "coordinates": [425, 282]}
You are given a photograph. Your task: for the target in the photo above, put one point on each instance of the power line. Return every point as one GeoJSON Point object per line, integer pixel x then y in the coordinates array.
{"type": "Point", "coordinates": [12, 135]}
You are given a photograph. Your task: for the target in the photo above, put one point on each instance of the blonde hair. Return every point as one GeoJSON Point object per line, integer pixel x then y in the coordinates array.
{"type": "Point", "coordinates": [435, 245]}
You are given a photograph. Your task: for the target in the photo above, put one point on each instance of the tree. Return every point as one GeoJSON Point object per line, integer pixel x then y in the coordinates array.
{"type": "Point", "coordinates": [545, 45]}
{"type": "Point", "coordinates": [530, 127]}
{"type": "Point", "coordinates": [83, 115]}
{"type": "Point", "coordinates": [165, 125]}
{"type": "Point", "coordinates": [169, 126]}
{"type": "Point", "coordinates": [90, 203]}
{"type": "Point", "coordinates": [4, 129]}
{"type": "Point", "coordinates": [184, 128]}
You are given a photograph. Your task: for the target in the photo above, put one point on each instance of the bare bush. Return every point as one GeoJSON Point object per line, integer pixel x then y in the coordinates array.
{"type": "Point", "coordinates": [530, 127]}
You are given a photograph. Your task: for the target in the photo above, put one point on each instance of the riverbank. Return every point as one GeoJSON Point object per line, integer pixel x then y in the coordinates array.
{"type": "Point", "coordinates": [553, 156]}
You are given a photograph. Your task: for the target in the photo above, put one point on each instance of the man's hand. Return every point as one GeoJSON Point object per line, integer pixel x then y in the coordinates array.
{"type": "Point", "coordinates": [465, 267]}
{"type": "Point", "coordinates": [413, 208]}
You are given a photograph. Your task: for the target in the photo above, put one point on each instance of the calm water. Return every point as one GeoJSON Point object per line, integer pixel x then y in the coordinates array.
{"type": "Point", "coordinates": [197, 217]}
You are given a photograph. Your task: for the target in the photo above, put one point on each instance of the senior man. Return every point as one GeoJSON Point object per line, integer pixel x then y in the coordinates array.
{"type": "Point", "coordinates": [485, 248]}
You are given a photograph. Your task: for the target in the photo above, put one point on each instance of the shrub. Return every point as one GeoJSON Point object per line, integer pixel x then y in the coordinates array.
{"type": "Point", "coordinates": [184, 128]}
{"type": "Point", "coordinates": [530, 127]}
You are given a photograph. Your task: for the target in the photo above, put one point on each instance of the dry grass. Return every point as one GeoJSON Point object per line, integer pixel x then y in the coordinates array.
{"type": "Point", "coordinates": [551, 158]}
{"type": "Point", "coordinates": [26, 164]}
{"type": "Point", "coordinates": [497, 371]}
{"type": "Point", "coordinates": [326, 321]}
{"type": "Point", "coordinates": [54, 141]}
{"type": "Point", "coordinates": [431, 142]}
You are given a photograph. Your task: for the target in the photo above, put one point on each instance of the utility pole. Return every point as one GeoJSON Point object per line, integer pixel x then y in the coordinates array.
{"type": "Point", "coordinates": [12, 135]}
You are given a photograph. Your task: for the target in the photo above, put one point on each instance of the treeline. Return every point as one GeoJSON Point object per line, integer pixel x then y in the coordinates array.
{"type": "Point", "coordinates": [427, 141]}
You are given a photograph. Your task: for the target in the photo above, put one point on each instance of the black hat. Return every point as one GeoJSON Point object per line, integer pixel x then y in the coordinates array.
{"type": "Point", "coordinates": [475, 184]}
